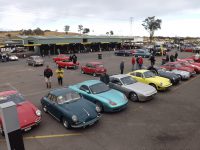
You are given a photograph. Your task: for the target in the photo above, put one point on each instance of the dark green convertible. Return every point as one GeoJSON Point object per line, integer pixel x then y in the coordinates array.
{"type": "Point", "coordinates": [70, 108]}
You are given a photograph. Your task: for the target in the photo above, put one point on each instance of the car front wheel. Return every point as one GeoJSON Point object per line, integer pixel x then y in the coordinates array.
{"type": "Point", "coordinates": [133, 97]}
{"type": "Point", "coordinates": [82, 71]}
{"type": "Point", "coordinates": [94, 74]}
{"type": "Point", "coordinates": [100, 106]}
{"type": "Point", "coordinates": [153, 85]}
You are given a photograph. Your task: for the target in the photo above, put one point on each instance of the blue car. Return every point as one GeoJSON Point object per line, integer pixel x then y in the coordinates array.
{"type": "Point", "coordinates": [70, 108]}
{"type": "Point", "coordinates": [107, 99]}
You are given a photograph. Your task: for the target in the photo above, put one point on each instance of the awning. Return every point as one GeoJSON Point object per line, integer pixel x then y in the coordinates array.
{"type": "Point", "coordinates": [32, 44]}
{"type": "Point", "coordinates": [2, 45]}
{"type": "Point", "coordinates": [62, 43]}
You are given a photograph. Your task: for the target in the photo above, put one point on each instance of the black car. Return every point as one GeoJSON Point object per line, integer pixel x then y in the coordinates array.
{"type": "Point", "coordinates": [123, 53]}
{"type": "Point", "coordinates": [174, 78]}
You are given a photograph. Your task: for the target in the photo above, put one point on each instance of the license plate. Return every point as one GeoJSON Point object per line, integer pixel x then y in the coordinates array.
{"type": "Point", "coordinates": [27, 129]}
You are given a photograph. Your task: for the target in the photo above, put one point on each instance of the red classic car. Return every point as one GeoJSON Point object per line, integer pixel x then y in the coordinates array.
{"type": "Point", "coordinates": [67, 64]}
{"type": "Point", "coordinates": [28, 114]}
{"type": "Point", "coordinates": [177, 66]}
{"type": "Point", "coordinates": [94, 68]}
{"type": "Point", "coordinates": [61, 57]}
{"type": "Point", "coordinates": [187, 64]}
{"type": "Point", "coordinates": [191, 61]}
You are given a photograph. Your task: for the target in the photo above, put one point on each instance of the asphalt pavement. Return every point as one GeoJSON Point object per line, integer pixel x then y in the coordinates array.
{"type": "Point", "coordinates": [168, 122]}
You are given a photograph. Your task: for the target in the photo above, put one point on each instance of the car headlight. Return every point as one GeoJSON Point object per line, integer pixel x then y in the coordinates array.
{"type": "Point", "coordinates": [98, 109]}
{"type": "Point", "coordinates": [74, 118]}
{"type": "Point", "coordinates": [38, 113]}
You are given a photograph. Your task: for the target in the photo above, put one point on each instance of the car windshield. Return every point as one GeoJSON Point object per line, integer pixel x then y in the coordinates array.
{"type": "Point", "coordinates": [16, 98]}
{"type": "Point", "coordinates": [99, 66]}
{"type": "Point", "coordinates": [68, 97]}
{"type": "Point", "coordinates": [149, 74]}
{"type": "Point", "coordinates": [128, 80]}
{"type": "Point", "coordinates": [99, 88]}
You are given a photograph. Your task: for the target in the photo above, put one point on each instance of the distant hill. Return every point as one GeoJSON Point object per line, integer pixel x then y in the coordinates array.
{"type": "Point", "coordinates": [5, 35]}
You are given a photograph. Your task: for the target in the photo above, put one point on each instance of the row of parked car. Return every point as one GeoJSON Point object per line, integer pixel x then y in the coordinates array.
{"type": "Point", "coordinates": [81, 104]}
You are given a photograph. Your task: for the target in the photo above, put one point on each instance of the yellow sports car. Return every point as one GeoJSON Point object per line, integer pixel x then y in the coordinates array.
{"type": "Point", "coordinates": [150, 78]}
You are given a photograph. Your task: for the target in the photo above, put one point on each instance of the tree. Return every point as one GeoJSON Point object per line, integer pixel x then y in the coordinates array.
{"type": "Point", "coordinates": [80, 28]}
{"type": "Point", "coordinates": [38, 31]}
{"type": "Point", "coordinates": [151, 25]}
{"type": "Point", "coordinates": [111, 32]}
{"type": "Point", "coordinates": [86, 30]}
{"type": "Point", "coordinates": [66, 29]}
{"type": "Point", "coordinates": [107, 33]}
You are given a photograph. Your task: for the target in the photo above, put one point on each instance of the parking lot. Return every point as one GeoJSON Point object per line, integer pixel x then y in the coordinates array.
{"type": "Point", "coordinates": [169, 121]}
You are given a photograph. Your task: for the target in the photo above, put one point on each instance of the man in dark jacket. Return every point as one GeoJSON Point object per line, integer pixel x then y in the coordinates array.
{"type": "Point", "coordinates": [152, 59]}
{"type": "Point", "coordinates": [171, 58]}
{"type": "Point", "coordinates": [176, 56]}
{"type": "Point", "coordinates": [74, 58]}
{"type": "Point", "coordinates": [104, 78]}
{"type": "Point", "coordinates": [122, 67]}
{"type": "Point", "coordinates": [48, 73]}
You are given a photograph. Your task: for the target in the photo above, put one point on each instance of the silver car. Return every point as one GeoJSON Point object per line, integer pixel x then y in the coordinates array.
{"type": "Point", "coordinates": [183, 74]}
{"type": "Point", "coordinates": [135, 91]}
{"type": "Point", "coordinates": [35, 61]}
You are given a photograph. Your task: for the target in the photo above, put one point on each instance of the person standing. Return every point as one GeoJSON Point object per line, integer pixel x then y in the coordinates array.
{"type": "Point", "coordinates": [74, 58]}
{"type": "Point", "coordinates": [176, 55]}
{"type": "Point", "coordinates": [172, 58]}
{"type": "Point", "coordinates": [140, 62]}
{"type": "Point", "coordinates": [105, 78]}
{"type": "Point", "coordinates": [152, 59]}
{"type": "Point", "coordinates": [133, 63]}
{"type": "Point", "coordinates": [48, 73]}
{"type": "Point", "coordinates": [167, 58]}
{"type": "Point", "coordinates": [122, 67]}
{"type": "Point", "coordinates": [60, 75]}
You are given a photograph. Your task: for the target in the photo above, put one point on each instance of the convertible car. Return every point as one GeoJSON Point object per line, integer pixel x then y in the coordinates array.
{"type": "Point", "coordinates": [61, 57]}
{"type": "Point", "coordinates": [174, 78]}
{"type": "Point", "coordinates": [70, 108]}
{"type": "Point", "coordinates": [150, 78]}
{"type": "Point", "coordinates": [67, 64]}
{"type": "Point", "coordinates": [135, 91]}
{"type": "Point", "coordinates": [29, 115]}
{"type": "Point", "coordinates": [94, 68]}
{"type": "Point", "coordinates": [176, 66]}
{"type": "Point", "coordinates": [109, 100]}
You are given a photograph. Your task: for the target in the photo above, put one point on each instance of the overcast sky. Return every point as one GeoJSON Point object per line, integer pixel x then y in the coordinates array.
{"type": "Point", "coordinates": [179, 17]}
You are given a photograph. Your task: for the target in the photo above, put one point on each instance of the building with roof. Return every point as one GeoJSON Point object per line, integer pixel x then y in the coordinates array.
{"type": "Point", "coordinates": [45, 45]}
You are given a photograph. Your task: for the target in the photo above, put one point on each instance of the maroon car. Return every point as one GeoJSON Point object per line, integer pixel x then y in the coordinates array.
{"type": "Point", "coordinates": [94, 68]}
{"type": "Point", "coordinates": [177, 66]}
{"type": "Point", "coordinates": [67, 64]}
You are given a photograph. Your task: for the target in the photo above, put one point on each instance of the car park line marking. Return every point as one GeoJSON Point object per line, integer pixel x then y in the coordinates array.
{"type": "Point", "coordinates": [187, 82]}
{"type": "Point", "coordinates": [48, 136]}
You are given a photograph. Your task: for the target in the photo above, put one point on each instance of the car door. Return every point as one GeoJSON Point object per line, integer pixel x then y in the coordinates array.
{"type": "Point", "coordinates": [52, 106]}
{"type": "Point", "coordinates": [116, 84]}
{"type": "Point", "coordinates": [87, 68]}
{"type": "Point", "coordinates": [87, 94]}
{"type": "Point", "coordinates": [139, 77]}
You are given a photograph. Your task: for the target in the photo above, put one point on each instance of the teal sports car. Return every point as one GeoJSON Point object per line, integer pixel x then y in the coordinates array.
{"type": "Point", "coordinates": [70, 108]}
{"type": "Point", "coordinates": [107, 99]}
